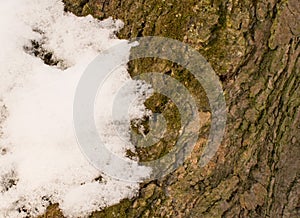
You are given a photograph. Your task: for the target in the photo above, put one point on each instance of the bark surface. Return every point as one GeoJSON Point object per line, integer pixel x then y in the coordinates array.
{"type": "Point", "coordinates": [253, 46]}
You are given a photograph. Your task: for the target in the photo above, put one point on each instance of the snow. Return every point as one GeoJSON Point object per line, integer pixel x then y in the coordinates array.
{"type": "Point", "coordinates": [40, 160]}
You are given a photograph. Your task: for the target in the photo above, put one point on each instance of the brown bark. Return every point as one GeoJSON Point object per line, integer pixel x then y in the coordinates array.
{"type": "Point", "coordinates": [254, 48]}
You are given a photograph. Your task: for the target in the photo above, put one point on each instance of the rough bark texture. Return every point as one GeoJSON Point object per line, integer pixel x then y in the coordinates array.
{"type": "Point", "coordinates": [254, 48]}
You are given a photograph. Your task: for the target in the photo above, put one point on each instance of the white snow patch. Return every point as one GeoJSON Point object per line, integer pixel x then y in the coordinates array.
{"type": "Point", "coordinates": [42, 162]}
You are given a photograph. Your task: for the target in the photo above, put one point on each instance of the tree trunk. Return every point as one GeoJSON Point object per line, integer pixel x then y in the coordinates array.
{"type": "Point", "coordinates": [253, 47]}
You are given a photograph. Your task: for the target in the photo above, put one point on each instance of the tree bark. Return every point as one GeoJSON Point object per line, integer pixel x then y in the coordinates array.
{"type": "Point", "coordinates": [253, 46]}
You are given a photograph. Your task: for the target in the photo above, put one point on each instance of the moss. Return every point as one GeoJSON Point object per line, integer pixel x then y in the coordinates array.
{"type": "Point", "coordinates": [237, 46]}
{"type": "Point", "coordinates": [86, 10]}
{"type": "Point", "coordinates": [118, 210]}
